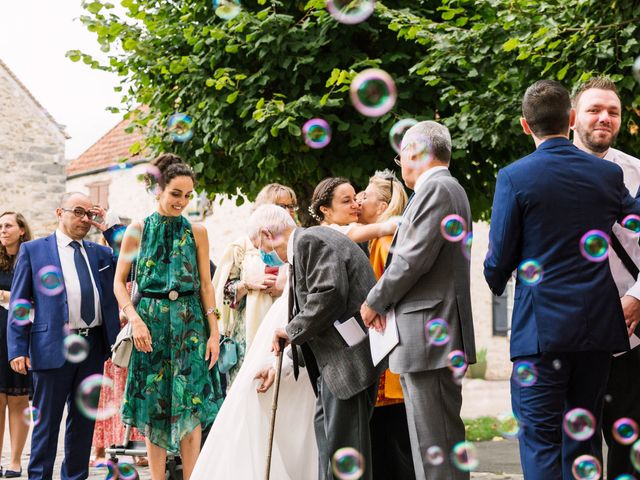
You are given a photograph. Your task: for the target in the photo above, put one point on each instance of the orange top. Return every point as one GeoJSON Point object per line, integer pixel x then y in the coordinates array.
{"type": "Point", "coordinates": [389, 388]}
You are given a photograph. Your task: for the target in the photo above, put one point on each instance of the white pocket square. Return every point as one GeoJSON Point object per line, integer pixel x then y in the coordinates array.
{"type": "Point", "coordinates": [104, 268]}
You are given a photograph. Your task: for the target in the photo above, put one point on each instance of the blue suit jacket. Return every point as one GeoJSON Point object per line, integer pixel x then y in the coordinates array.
{"type": "Point", "coordinates": [544, 203]}
{"type": "Point", "coordinates": [42, 341]}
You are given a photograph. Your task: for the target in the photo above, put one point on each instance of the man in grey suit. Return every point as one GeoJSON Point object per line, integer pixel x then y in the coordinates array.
{"type": "Point", "coordinates": [329, 279]}
{"type": "Point", "coordinates": [426, 278]}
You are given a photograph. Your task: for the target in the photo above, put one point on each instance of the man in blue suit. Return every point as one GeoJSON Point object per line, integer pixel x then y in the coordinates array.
{"type": "Point", "coordinates": [86, 306]}
{"type": "Point", "coordinates": [566, 325]}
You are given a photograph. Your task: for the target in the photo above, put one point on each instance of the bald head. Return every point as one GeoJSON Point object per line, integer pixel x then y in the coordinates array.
{"type": "Point", "coordinates": [69, 198]}
{"type": "Point", "coordinates": [72, 218]}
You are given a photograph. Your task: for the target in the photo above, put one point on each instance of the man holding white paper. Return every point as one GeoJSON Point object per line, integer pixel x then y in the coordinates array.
{"type": "Point", "coordinates": [427, 278]}
{"type": "Point", "coordinates": [329, 279]}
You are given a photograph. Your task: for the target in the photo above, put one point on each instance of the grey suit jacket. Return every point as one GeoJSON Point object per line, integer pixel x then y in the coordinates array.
{"type": "Point", "coordinates": [428, 277]}
{"type": "Point", "coordinates": [332, 279]}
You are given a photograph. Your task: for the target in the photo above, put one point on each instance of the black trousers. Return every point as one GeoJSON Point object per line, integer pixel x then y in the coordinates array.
{"type": "Point", "coordinates": [390, 444]}
{"type": "Point", "coordinates": [622, 400]}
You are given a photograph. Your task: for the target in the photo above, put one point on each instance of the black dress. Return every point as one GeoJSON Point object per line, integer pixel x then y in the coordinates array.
{"type": "Point", "coordinates": [11, 383]}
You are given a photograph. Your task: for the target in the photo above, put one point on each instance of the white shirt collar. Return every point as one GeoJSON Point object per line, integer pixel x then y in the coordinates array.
{"type": "Point", "coordinates": [65, 240]}
{"type": "Point", "coordinates": [290, 247]}
{"type": "Point", "coordinates": [424, 176]}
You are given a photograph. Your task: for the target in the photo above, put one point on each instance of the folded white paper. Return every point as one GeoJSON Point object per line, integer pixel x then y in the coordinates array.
{"type": "Point", "coordinates": [634, 341]}
{"type": "Point", "coordinates": [350, 331]}
{"type": "Point", "coordinates": [383, 342]}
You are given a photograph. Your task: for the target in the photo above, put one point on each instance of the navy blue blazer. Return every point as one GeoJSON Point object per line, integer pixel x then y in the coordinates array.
{"type": "Point", "coordinates": [42, 341]}
{"type": "Point", "coordinates": [544, 203]}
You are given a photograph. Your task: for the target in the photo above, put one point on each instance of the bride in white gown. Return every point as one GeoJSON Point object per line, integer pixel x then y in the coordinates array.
{"type": "Point", "coordinates": [237, 443]}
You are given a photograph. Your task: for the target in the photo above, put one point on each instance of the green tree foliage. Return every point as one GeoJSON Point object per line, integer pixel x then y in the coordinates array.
{"type": "Point", "coordinates": [250, 83]}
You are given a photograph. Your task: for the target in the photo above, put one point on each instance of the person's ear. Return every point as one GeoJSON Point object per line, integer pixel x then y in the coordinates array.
{"type": "Point", "coordinates": [572, 119]}
{"type": "Point", "coordinates": [525, 126]}
{"type": "Point", "coordinates": [325, 211]}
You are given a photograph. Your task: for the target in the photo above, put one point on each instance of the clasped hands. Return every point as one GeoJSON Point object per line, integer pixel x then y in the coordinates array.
{"type": "Point", "coordinates": [373, 319]}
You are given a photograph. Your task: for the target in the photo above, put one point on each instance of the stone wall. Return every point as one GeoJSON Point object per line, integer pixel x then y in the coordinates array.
{"type": "Point", "coordinates": [31, 156]}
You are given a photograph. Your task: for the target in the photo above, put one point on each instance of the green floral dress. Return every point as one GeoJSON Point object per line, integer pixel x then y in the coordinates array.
{"type": "Point", "coordinates": [170, 391]}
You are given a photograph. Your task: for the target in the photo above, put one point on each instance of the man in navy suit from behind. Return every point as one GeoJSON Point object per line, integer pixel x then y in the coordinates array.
{"type": "Point", "coordinates": [86, 307]}
{"type": "Point", "coordinates": [567, 324]}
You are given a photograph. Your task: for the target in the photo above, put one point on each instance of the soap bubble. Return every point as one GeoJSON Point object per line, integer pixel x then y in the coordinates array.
{"type": "Point", "coordinates": [350, 12]}
{"type": "Point", "coordinates": [465, 456]}
{"type": "Point", "coordinates": [508, 425]}
{"type": "Point", "coordinates": [226, 9]}
{"type": "Point", "coordinates": [435, 455]}
{"type": "Point", "coordinates": [530, 272]}
{"type": "Point", "coordinates": [316, 133]}
{"type": "Point", "coordinates": [457, 361]}
{"type": "Point", "coordinates": [466, 244]}
{"type": "Point", "coordinates": [347, 464]}
{"type": "Point", "coordinates": [453, 228]}
{"type": "Point", "coordinates": [398, 130]}
{"type": "Point", "coordinates": [632, 222]}
{"type": "Point", "coordinates": [625, 431]}
{"type": "Point", "coordinates": [31, 415]}
{"type": "Point", "coordinates": [88, 397]}
{"type": "Point", "coordinates": [373, 92]}
{"type": "Point", "coordinates": [579, 424]}
{"type": "Point", "coordinates": [525, 373]}
{"type": "Point", "coordinates": [586, 467]}
{"type": "Point", "coordinates": [180, 127]}
{"type": "Point", "coordinates": [594, 246]}
{"type": "Point", "coordinates": [437, 332]}
{"type": "Point", "coordinates": [76, 348]}
{"type": "Point", "coordinates": [50, 281]}
{"type": "Point", "coordinates": [22, 312]}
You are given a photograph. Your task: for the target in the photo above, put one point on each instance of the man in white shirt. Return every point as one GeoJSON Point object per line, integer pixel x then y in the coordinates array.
{"type": "Point", "coordinates": [598, 119]}
{"type": "Point", "coordinates": [82, 304]}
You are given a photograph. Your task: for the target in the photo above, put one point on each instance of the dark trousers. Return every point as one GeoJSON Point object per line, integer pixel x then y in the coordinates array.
{"type": "Point", "coordinates": [343, 423]}
{"type": "Point", "coordinates": [578, 380]}
{"type": "Point", "coordinates": [52, 389]}
{"type": "Point", "coordinates": [390, 443]}
{"type": "Point", "coordinates": [622, 400]}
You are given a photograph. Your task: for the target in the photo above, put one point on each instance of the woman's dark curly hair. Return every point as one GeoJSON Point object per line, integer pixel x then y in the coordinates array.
{"type": "Point", "coordinates": [323, 196]}
{"type": "Point", "coordinates": [170, 166]}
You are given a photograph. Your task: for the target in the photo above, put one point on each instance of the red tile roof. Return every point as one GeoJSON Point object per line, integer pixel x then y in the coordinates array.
{"type": "Point", "coordinates": [111, 148]}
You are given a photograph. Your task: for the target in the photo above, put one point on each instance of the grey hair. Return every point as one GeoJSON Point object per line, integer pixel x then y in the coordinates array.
{"type": "Point", "coordinates": [66, 196]}
{"type": "Point", "coordinates": [273, 218]}
{"type": "Point", "coordinates": [435, 134]}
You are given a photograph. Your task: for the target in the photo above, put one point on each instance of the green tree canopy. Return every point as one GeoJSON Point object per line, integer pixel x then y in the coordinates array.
{"type": "Point", "coordinates": [251, 82]}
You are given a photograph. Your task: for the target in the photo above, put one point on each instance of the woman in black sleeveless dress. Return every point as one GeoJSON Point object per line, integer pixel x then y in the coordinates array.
{"type": "Point", "coordinates": [14, 387]}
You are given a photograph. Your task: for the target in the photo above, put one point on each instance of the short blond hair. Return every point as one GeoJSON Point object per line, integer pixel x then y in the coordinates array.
{"type": "Point", "coordinates": [269, 194]}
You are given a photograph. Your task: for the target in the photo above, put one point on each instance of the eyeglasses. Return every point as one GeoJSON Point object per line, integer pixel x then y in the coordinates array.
{"type": "Point", "coordinates": [293, 207]}
{"type": "Point", "coordinates": [397, 160]}
{"type": "Point", "coordinates": [80, 212]}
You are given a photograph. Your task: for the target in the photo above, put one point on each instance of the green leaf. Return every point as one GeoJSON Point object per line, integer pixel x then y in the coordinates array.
{"type": "Point", "coordinates": [231, 98]}
{"type": "Point", "coordinates": [511, 44]}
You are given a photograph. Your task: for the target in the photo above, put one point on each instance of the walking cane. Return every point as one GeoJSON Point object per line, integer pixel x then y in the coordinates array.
{"type": "Point", "coordinates": [274, 407]}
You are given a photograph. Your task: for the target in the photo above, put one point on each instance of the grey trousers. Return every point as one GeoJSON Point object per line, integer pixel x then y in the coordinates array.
{"type": "Point", "coordinates": [343, 423]}
{"type": "Point", "coordinates": [433, 401]}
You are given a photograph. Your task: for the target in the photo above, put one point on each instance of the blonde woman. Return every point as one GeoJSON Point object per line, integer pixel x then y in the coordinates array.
{"type": "Point", "coordinates": [245, 288]}
{"type": "Point", "coordinates": [383, 199]}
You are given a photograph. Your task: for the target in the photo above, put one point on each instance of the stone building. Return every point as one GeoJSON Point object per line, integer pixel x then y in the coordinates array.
{"type": "Point", "coordinates": [115, 186]}
{"type": "Point", "coordinates": [31, 155]}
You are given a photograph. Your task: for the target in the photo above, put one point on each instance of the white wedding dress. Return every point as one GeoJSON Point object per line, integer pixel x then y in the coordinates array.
{"type": "Point", "coordinates": [237, 444]}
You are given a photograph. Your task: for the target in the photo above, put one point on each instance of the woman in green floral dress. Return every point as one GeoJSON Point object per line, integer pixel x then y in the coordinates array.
{"type": "Point", "coordinates": [170, 394]}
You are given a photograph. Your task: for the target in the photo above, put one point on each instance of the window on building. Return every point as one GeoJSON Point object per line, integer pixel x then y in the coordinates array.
{"type": "Point", "coordinates": [99, 193]}
{"type": "Point", "coordinates": [502, 309]}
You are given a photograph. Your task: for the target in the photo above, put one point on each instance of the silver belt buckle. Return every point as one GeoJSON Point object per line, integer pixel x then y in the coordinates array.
{"type": "Point", "coordinates": [173, 295]}
{"type": "Point", "coordinates": [83, 332]}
